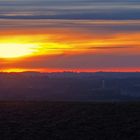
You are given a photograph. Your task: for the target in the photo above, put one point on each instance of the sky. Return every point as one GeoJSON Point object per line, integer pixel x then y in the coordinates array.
{"type": "Point", "coordinates": [66, 35]}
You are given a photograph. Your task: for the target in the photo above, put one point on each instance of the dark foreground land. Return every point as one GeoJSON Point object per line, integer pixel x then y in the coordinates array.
{"type": "Point", "coordinates": [69, 121]}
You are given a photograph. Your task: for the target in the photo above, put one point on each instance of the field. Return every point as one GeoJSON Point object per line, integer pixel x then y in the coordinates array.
{"type": "Point", "coordinates": [69, 121]}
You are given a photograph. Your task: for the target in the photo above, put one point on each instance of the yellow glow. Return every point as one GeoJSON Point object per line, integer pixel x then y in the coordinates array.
{"type": "Point", "coordinates": [13, 70]}
{"type": "Point", "coordinates": [14, 50]}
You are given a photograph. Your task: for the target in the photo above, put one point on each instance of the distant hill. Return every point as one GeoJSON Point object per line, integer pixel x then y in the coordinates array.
{"type": "Point", "coordinates": [69, 86]}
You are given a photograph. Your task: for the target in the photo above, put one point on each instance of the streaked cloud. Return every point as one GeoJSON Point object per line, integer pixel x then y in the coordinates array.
{"type": "Point", "coordinates": [60, 9]}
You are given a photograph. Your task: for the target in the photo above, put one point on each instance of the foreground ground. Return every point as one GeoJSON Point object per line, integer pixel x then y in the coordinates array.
{"type": "Point", "coordinates": [69, 121]}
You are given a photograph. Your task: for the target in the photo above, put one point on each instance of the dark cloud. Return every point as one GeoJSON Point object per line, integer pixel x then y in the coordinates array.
{"type": "Point", "coordinates": [81, 61]}
{"type": "Point", "coordinates": [105, 48]}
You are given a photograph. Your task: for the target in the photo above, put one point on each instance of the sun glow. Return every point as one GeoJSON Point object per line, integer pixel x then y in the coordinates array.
{"type": "Point", "coordinates": [15, 50]}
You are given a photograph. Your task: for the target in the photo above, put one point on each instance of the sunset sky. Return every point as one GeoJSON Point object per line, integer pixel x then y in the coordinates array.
{"type": "Point", "coordinates": [66, 35]}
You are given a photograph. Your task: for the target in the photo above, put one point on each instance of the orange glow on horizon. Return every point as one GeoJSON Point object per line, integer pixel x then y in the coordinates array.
{"type": "Point", "coordinates": [60, 42]}
{"type": "Point", "coordinates": [20, 48]}
{"type": "Point", "coordinates": [47, 70]}
{"type": "Point", "coordinates": [119, 44]}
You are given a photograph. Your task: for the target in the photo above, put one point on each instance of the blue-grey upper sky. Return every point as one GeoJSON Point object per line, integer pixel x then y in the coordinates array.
{"type": "Point", "coordinates": [68, 9]}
